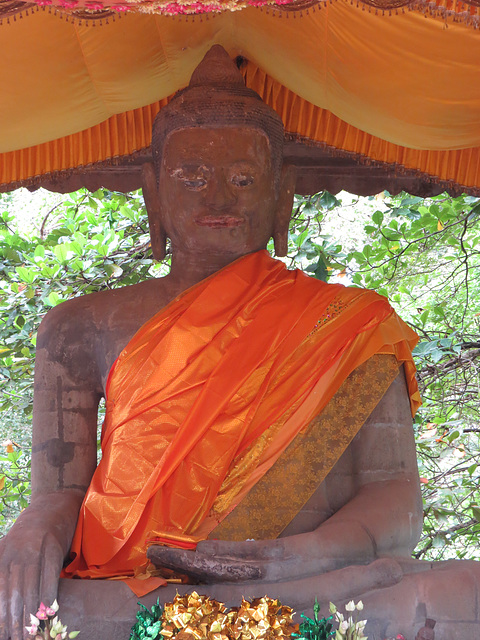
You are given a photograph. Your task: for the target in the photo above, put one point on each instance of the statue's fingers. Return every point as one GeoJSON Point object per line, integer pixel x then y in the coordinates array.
{"type": "Point", "coordinates": [16, 604]}
{"type": "Point", "coordinates": [204, 568]}
{"type": "Point", "coordinates": [31, 583]}
{"type": "Point", "coordinates": [360, 579]}
{"type": "Point", "coordinates": [52, 562]}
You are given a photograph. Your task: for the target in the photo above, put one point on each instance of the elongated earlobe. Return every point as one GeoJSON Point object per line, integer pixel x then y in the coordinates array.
{"type": "Point", "coordinates": [284, 209]}
{"type": "Point", "coordinates": [152, 203]}
{"type": "Point", "coordinates": [280, 242]}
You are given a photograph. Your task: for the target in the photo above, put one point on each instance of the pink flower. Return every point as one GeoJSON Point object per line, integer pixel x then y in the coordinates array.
{"type": "Point", "coordinates": [42, 612]}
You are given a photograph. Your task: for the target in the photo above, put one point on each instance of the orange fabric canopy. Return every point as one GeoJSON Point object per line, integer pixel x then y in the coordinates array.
{"type": "Point", "coordinates": [400, 89]}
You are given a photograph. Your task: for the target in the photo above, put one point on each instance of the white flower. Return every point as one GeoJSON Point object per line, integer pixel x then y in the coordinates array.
{"type": "Point", "coordinates": [359, 605]}
{"type": "Point", "coordinates": [32, 630]}
{"type": "Point", "coordinates": [58, 629]}
{"type": "Point", "coordinates": [343, 628]}
{"type": "Point", "coordinates": [350, 606]}
{"type": "Point", "coordinates": [34, 620]}
{"type": "Point", "coordinates": [55, 605]}
{"type": "Point", "coordinates": [360, 626]}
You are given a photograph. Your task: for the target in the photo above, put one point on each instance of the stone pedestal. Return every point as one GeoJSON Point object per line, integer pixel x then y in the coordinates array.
{"type": "Point", "coordinates": [106, 609]}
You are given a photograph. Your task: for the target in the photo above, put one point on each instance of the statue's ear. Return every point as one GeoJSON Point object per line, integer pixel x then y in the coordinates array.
{"type": "Point", "coordinates": [284, 209]}
{"type": "Point", "coordinates": [152, 202]}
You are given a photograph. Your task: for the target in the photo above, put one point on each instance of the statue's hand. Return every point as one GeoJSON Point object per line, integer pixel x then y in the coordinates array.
{"type": "Point", "coordinates": [205, 567]}
{"type": "Point", "coordinates": [31, 558]}
{"type": "Point", "coordinates": [222, 561]}
{"type": "Point", "coordinates": [326, 549]}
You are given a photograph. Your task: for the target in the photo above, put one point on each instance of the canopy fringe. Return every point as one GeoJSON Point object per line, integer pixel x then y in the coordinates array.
{"type": "Point", "coordinates": [35, 182]}
{"type": "Point", "coordinates": [100, 12]}
{"type": "Point", "coordinates": [455, 188]}
{"type": "Point", "coordinates": [447, 185]}
{"type": "Point", "coordinates": [10, 10]}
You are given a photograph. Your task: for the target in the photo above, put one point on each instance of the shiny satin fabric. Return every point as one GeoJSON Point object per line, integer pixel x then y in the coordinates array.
{"type": "Point", "coordinates": [253, 347]}
{"type": "Point", "coordinates": [271, 505]}
{"type": "Point", "coordinates": [399, 89]}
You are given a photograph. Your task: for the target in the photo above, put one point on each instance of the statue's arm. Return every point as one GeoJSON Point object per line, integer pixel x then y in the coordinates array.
{"type": "Point", "coordinates": [383, 518]}
{"type": "Point", "coordinates": [66, 395]}
{"type": "Point", "coordinates": [388, 502]}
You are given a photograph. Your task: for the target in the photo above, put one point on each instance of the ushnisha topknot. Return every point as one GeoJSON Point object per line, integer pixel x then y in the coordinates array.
{"type": "Point", "coordinates": [217, 97]}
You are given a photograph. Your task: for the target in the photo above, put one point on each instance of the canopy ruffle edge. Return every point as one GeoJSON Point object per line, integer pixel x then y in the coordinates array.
{"type": "Point", "coordinates": [97, 11]}
{"type": "Point", "coordinates": [125, 135]}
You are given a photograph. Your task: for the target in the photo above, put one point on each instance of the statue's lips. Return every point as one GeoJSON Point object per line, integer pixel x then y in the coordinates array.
{"type": "Point", "coordinates": [219, 221]}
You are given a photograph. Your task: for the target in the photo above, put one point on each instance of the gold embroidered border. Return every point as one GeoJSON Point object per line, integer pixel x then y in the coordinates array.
{"type": "Point", "coordinates": [308, 459]}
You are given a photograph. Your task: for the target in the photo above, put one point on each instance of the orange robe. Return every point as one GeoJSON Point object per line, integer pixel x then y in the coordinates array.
{"type": "Point", "coordinates": [254, 347]}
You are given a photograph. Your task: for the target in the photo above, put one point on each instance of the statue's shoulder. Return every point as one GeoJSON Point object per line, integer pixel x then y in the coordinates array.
{"type": "Point", "coordinates": [341, 293]}
{"type": "Point", "coordinates": [85, 335]}
{"type": "Point", "coordinates": [100, 312]}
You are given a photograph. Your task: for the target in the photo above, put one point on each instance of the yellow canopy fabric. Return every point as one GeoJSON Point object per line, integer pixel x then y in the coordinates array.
{"type": "Point", "coordinates": [401, 89]}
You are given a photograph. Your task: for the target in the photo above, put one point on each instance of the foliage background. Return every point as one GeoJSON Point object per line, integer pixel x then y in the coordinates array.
{"type": "Point", "coordinates": [422, 254]}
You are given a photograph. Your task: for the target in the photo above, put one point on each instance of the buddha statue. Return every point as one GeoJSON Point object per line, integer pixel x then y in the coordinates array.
{"type": "Point", "coordinates": [258, 432]}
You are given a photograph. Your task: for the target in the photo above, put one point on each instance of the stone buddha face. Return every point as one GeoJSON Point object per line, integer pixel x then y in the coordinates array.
{"type": "Point", "coordinates": [217, 190]}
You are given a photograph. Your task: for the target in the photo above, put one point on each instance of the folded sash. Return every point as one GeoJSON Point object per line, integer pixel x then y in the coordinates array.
{"type": "Point", "coordinates": [208, 394]}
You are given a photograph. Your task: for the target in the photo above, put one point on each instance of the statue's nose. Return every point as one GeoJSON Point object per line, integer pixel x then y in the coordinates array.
{"type": "Point", "coordinates": [220, 194]}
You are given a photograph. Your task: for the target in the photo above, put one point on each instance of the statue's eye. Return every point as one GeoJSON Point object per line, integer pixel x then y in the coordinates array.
{"type": "Point", "coordinates": [195, 184]}
{"type": "Point", "coordinates": [242, 180]}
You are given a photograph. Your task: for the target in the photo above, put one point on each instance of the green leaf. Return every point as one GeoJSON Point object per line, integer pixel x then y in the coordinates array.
{"type": "Point", "coordinates": [439, 541]}
{"type": "Point", "coordinates": [301, 238]}
{"type": "Point", "coordinates": [53, 299]}
{"type": "Point", "coordinates": [62, 252]}
{"type": "Point", "coordinates": [113, 270]}
{"type": "Point", "coordinates": [424, 316]}
{"type": "Point", "coordinates": [39, 251]}
{"type": "Point", "coordinates": [26, 275]}
{"type": "Point", "coordinates": [321, 272]}
{"type": "Point", "coordinates": [475, 512]}
{"type": "Point", "coordinates": [367, 251]}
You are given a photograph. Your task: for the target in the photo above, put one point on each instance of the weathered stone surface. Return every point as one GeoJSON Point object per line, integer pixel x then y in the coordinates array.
{"type": "Point", "coordinates": [106, 609]}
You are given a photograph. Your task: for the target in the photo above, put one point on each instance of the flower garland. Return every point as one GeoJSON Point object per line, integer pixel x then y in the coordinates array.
{"type": "Point", "coordinates": [196, 617]}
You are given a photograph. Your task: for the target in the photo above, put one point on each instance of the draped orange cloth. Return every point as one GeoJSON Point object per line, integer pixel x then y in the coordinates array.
{"type": "Point", "coordinates": [253, 346]}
